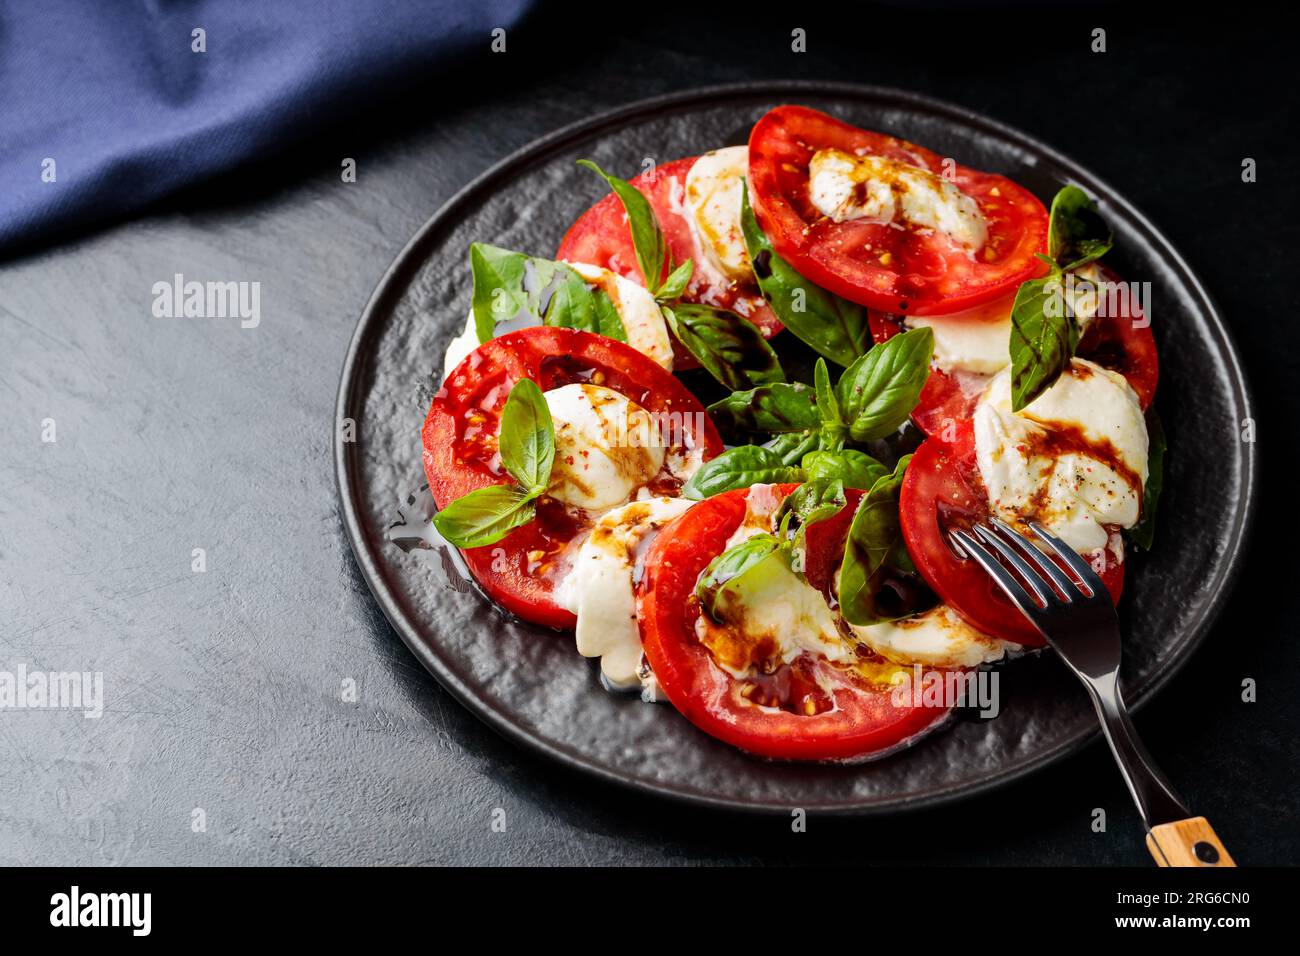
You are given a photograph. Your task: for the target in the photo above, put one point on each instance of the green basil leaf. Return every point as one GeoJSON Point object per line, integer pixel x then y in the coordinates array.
{"type": "Point", "coordinates": [833, 427]}
{"type": "Point", "coordinates": [792, 446]}
{"type": "Point", "coordinates": [576, 305]}
{"type": "Point", "coordinates": [773, 409]}
{"type": "Point", "coordinates": [647, 237]}
{"type": "Point", "coordinates": [739, 468]}
{"type": "Point", "coordinates": [879, 390]}
{"type": "Point", "coordinates": [727, 568]}
{"type": "Point", "coordinates": [499, 293]}
{"type": "Point", "coordinates": [814, 500]}
{"type": "Point", "coordinates": [831, 326]}
{"type": "Point", "coordinates": [855, 468]}
{"type": "Point", "coordinates": [527, 440]}
{"type": "Point", "coordinates": [484, 516]}
{"type": "Point", "coordinates": [1076, 234]}
{"type": "Point", "coordinates": [510, 284]}
{"type": "Point", "coordinates": [874, 545]}
{"type": "Point", "coordinates": [676, 282]}
{"type": "Point", "coordinates": [1143, 533]}
{"type": "Point", "coordinates": [730, 347]}
{"type": "Point", "coordinates": [1043, 338]}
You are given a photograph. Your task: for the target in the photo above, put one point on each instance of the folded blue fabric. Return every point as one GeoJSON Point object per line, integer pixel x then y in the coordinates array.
{"type": "Point", "coordinates": [106, 106]}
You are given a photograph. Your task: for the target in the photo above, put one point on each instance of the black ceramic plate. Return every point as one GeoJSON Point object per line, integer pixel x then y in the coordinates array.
{"type": "Point", "coordinates": [533, 687]}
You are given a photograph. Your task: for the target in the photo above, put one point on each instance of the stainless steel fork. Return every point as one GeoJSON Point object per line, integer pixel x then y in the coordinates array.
{"type": "Point", "coordinates": [1076, 615]}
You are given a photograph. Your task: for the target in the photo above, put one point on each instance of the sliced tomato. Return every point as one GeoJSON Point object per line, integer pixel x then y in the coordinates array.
{"type": "Point", "coordinates": [1120, 339]}
{"type": "Point", "coordinates": [942, 490]}
{"type": "Point", "coordinates": [601, 237]}
{"type": "Point", "coordinates": [853, 714]}
{"type": "Point", "coordinates": [460, 446]}
{"type": "Point", "coordinates": [902, 270]}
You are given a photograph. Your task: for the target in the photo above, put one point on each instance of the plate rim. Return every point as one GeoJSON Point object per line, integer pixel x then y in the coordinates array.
{"type": "Point", "coordinates": [410, 258]}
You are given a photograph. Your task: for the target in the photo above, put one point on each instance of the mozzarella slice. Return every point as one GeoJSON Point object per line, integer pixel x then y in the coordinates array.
{"type": "Point", "coordinates": [1074, 459]}
{"type": "Point", "coordinates": [605, 446]}
{"type": "Point", "coordinates": [787, 618]}
{"type": "Point", "coordinates": [647, 332]}
{"type": "Point", "coordinates": [935, 638]}
{"type": "Point", "coordinates": [845, 187]}
{"type": "Point", "coordinates": [599, 589]}
{"type": "Point", "coordinates": [713, 199]}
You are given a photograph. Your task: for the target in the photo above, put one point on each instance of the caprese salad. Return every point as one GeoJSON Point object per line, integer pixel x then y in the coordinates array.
{"type": "Point", "coordinates": [973, 359]}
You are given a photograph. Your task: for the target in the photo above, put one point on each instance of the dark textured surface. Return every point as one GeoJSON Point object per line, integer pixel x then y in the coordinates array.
{"type": "Point", "coordinates": [223, 688]}
{"type": "Point", "coordinates": [550, 697]}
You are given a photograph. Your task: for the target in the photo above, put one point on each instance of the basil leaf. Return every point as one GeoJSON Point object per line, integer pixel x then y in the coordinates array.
{"type": "Point", "coordinates": [814, 500]}
{"type": "Point", "coordinates": [831, 326]}
{"type": "Point", "coordinates": [833, 427]}
{"type": "Point", "coordinates": [1076, 232]}
{"type": "Point", "coordinates": [647, 237]}
{"type": "Point", "coordinates": [576, 305]}
{"type": "Point", "coordinates": [676, 282]}
{"type": "Point", "coordinates": [874, 545]}
{"type": "Point", "coordinates": [728, 567]}
{"type": "Point", "coordinates": [730, 347]}
{"type": "Point", "coordinates": [855, 468]}
{"type": "Point", "coordinates": [527, 439]}
{"type": "Point", "coordinates": [508, 284]}
{"type": "Point", "coordinates": [1143, 533]}
{"type": "Point", "coordinates": [499, 292]}
{"type": "Point", "coordinates": [792, 446]}
{"type": "Point", "coordinates": [739, 468]}
{"type": "Point", "coordinates": [1043, 338]}
{"type": "Point", "coordinates": [879, 390]}
{"type": "Point", "coordinates": [484, 516]}
{"type": "Point", "coordinates": [785, 407]}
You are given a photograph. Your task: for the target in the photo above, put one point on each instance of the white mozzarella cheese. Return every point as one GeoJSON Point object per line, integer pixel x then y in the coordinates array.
{"type": "Point", "coordinates": [845, 187]}
{"type": "Point", "coordinates": [599, 588]}
{"type": "Point", "coordinates": [460, 346]}
{"type": "Point", "coordinates": [713, 198]}
{"type": "Point", "coordinates": [935, 638]}
{"type": "Point", "coordinates": [602, 453]}
{"type": "Point", "coordinates": [1074, 459]}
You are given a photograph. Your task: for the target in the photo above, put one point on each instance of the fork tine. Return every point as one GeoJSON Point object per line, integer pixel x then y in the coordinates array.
{"type": "Point", "coordinates": [1072, 558]}
{"type": "Point", "coordinates": [1046, 564]}
{"type": "Point", "coordinates": [1003, 578]}
{"type": "Point", "coordinates": [1027, 574]}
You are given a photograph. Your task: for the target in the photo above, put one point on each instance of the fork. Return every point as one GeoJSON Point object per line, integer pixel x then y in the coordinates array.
{"type": "Point", "coordinates": [1077, 617]}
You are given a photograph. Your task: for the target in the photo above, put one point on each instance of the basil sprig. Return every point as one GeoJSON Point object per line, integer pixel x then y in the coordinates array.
{"type": "Point", "coordinates": [509, 284]}
{"type": "Point", "coordinates": [1143, 533]}
{"type": "Point", "coordinates": [874, 548]}
{"type": "Point", "coordinates": [527, 446]}
{"type": "Point", "coordinates": [1044, 333]}
{"type": "Point", "coordinates": [739, 468]}
{"type": "Point", "coordinates": [831, 326]}
{"type": "Point", "coordinates": [728, 345]}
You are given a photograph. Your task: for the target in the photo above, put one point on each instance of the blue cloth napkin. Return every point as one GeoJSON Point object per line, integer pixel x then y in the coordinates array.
{"type": "Point", "coordinates": [106, 106]}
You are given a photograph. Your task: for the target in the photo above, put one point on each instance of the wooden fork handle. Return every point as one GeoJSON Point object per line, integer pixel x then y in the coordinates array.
{"type": "Point", "coordinates": [1190, 842]}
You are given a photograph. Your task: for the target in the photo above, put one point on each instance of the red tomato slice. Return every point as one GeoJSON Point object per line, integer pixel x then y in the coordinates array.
{"type": "Point", "coordinates": [1121, 341]}
{"type": "Point", "coordinates": [601, 238]}
{"type": "Point", "coordinates": [460, 446]}
{"type": "Point", "coordinates": [942, 490]}
{"type": "Point", "coordinates": [765, 715]}
{"type": "Point", "coordinates": [880, 266]}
